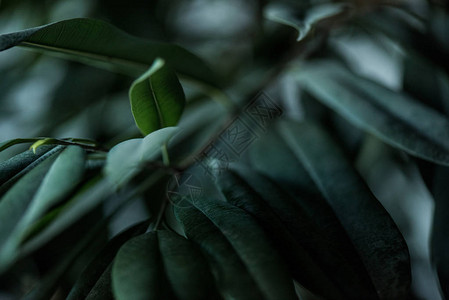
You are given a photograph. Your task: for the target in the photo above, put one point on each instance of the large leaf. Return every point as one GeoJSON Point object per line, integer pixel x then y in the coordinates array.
{"type": "Point", "coordinates": [157, 98]}
{"type": "Point", "coordinates": [101, 44]}
{"type": "Point", "coordinates": [393, 117]}
{"type": "Point", "coordinates": [371, 229]}
{"type": "Point", "coordinates": [127, 158]}
{"type": "Point", "coordinates": [321, 263]}
{"type": "Point", "coordinates": [63, 176]}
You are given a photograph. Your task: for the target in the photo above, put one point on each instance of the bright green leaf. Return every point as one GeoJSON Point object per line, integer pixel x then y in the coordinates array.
{"type": "Point", "coordinates": [157, 98]}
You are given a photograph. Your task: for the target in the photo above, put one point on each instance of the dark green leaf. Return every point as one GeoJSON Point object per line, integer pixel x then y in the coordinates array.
{"type": "Point", "coordinates": [185, 267]}
{"type": "Point", "coordinates": [101, 44]}
{"type": "Point", "coordinates": [232, 276]}
{"type": "Point", "coordinates": [64, 174]}
{"type": "Point", "coordinates": [94, 282]}
{"type": "Point", "coordinates": [15, 202]}
{"type": "Point", "coordinates": [371, 229]}
{"type": "Point", "coordinates": [394, 118]}
{"type": "Point", "coordinates": [137, 271]}
{"type": "Point", "coordinates": [250, 242]}
{"type": "Point", "coordinates": [14, 165]}
{"type": "Point", "coordinates": [321, 263]}
{"type": "Point", "coordinates": [157, 98]}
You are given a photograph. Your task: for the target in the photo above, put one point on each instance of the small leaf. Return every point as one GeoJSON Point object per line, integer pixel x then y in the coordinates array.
{"type": "Point", "coordinates": [101, 44]}
{"type": "Point", "coordinates": [127, 158]}
{"type": "Point", "coordinates": [283, 15]}
{"type": "Point", "coordinates": [371, 229]}
{"type": "Point", "coordinates": [394, 118]}
{"type": "Point", "coordinates": [157, 98]}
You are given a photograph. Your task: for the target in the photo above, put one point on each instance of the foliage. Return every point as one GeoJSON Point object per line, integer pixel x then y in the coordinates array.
{"type": "Point", "coordinates": [253, 165]}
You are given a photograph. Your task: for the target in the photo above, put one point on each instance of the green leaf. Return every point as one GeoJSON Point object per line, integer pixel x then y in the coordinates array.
{"type": "Point", "coordinates": [232, 276]}
{"type": "Point", "coordinates": [157, 98]}
{"type": "Point", "coordinates": [18, 163]}
{"type": "Point", "coordinates": [101, 44]}
{"type": "Point", "coordinates": [250, 242]}
{"type": "Point", "coordinates": [186, 269]}
{"type": "Point", "coordinates": [371, 229]}
{"type": "Point", "coordinates": [394, 118]}
{"type": "Point", "coordinates": [127, 158]}
{"type": "Point", "coordinates": [94, 281]}
{"type": "Point", "coordinates": [137, 271]}
{"type": "Point", "coordinates": [89, 196]}
{"type": "Point", "coordinates": [15, 202]}
{"type": "Point", "coordinates": [320, 263]}
{"type": "Point", "coordinates": [315, 15]}
{"type": "Point", "coordinates": [63, 176]}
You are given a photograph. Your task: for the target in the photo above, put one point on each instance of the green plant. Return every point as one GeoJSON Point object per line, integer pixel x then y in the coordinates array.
{"type": "Point", "coordinates": [251, 191]}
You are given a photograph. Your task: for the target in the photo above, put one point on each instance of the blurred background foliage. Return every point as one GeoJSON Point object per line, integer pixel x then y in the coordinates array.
{"type": "Point", "coordinates": [401, 44]}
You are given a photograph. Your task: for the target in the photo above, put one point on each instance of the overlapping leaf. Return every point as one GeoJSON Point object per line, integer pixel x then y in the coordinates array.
{"type": "Point", "coordinates": [161, 265]}
{"type": "Point", "coordinates": [303, 244]}
{"type": "Point", "coordinates": [249, 242]}
{"type": "Point", "coordinates": [371, 229]}
{"type": "Point", "coordinates": [62, 177]}
{"type": "Point", "coordinates": [395, 118]}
